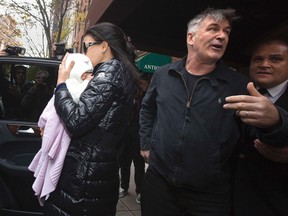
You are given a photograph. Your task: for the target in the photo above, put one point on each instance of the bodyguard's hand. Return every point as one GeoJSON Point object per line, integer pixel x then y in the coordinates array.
{"type": "Point", "coordinates": [275, 154]}
{"type": "Point", "coordinates": [145, 154]}
{"type": "Point", "coordinates": [64, 70]}
{"type": "Point", "coordinates": [254, 109]}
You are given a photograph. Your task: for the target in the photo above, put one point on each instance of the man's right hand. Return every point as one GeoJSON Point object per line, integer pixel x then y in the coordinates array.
{"type": "Point", "coordinates": [255, 109]}
{"type": "Point", "coordinates": [145, 154]}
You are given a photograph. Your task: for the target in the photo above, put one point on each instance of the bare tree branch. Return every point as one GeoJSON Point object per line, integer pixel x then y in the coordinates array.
{"type": "Point", "coordinates": [45, 13]}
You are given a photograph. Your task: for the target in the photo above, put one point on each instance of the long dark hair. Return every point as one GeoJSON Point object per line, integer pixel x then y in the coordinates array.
{"type": "Point", "coordinates": [120, 45]}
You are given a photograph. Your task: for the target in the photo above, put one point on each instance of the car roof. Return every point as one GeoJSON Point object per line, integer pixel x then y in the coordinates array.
{"type": "Point", "coordinates": [30, 60]}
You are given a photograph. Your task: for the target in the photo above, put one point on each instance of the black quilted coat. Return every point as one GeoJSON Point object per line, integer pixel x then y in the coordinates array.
{"type": "Point", "coordinates": [89, 181]}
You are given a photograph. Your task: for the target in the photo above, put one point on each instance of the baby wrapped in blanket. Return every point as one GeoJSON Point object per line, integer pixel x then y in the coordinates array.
{"type": "Point", "coordinates": [48, 162]}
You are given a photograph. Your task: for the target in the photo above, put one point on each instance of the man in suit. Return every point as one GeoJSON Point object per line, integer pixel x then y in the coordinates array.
{"type": "Point", "coordinates": [261, 176]}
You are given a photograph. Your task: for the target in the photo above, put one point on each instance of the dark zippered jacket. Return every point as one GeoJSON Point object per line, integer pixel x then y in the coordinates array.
{"type": "Point", "coordinates": [89, 182]}
{"type": "Point", "coordinates": [260, 184]}
{"type": "Point", "coordinates": [191, 136]}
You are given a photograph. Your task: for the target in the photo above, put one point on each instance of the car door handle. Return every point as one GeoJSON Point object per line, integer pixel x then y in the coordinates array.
{"type": "Point", "coordinates": [24, 130]}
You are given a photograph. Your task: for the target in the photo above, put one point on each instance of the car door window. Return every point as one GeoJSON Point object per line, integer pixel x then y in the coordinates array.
{"type": "Point", "coordinates": [25, 90]}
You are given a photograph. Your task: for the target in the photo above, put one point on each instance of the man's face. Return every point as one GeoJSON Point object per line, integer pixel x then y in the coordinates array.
{"type": "Point", "coordinates": [211, 39]}
{"type": "Point", "coordinates": [269, 65]}
{"type": "Point", "coordinates": [20, 75]}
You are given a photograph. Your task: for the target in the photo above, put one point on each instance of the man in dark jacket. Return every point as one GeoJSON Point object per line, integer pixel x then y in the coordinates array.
{"type": "Point", "coordinates": [12, 90]}
{"type": "Point", "coordinates": [260, 183]}
{"type": "Point", "coordinates": [186, 135]}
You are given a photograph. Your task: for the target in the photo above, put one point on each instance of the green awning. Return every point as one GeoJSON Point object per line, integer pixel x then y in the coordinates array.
{"type": "Point", "coordinates": [152, 61]}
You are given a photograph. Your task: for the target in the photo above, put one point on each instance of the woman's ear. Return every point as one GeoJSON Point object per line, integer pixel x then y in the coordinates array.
{"type": "Point", "coordinates": [104, 47]}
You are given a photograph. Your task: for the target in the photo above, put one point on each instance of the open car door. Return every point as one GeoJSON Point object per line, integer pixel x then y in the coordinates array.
{"type": "Point", "coordinates": [20, 136]}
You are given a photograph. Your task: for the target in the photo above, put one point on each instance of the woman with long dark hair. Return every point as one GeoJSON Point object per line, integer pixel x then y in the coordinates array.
{"type": "Point", "coordinates": [89, 181]}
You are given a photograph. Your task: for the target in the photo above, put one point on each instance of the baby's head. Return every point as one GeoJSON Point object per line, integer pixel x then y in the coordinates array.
{"type": "Point", "coordinates": [82, 68]}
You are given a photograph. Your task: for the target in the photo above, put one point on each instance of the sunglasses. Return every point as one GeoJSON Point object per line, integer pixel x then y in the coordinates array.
{"type": "Point", "coordinates": [89, 44]}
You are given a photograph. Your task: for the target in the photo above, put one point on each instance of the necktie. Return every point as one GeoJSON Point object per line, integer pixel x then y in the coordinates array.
{"type": "Point", "coordinates": [263, 91]}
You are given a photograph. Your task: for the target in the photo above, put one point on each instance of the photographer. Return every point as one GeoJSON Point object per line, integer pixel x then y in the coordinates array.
{"type": "Point", "coordinates": [59, 50]}
{"type": "Point", "coordinates": [12, 90]}
{"type": "Point", "coordinates": [37, 96]}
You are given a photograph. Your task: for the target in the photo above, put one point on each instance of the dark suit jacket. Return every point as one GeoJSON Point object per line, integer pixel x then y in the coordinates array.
{"type": "Point", "coordinates": [260, 185]}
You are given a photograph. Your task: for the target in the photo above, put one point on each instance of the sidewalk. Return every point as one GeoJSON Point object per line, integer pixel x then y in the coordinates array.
{"type": "Point", "coordinates": [127, 206]}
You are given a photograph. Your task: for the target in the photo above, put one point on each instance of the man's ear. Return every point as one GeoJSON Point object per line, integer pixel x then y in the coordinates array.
{"type": "Point", "coordinates": [190, 38]}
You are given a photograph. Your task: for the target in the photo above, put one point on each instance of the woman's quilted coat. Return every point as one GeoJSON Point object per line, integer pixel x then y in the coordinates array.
{"type": "Point", "coordinates": [89, 181]}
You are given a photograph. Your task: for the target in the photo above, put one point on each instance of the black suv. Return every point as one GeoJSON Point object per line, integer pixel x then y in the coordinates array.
{"type": "Point", "coordinates": [26, 85]}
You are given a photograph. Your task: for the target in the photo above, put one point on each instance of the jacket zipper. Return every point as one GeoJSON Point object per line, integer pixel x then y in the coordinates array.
{"type": "Point", "coordinates": [193, 90]}
{"type": "Point", "coordinates": [187, 114]}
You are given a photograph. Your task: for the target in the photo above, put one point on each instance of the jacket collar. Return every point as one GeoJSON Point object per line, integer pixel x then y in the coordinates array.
{"type": "Point", "coordinates": [221, 71]}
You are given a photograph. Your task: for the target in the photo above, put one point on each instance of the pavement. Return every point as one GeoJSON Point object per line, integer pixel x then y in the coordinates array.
{"type": "Point", "coordinates": [127, 205]}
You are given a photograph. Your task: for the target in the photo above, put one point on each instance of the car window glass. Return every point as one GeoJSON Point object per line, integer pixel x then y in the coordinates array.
{"type": "Point", "coordinates": [25, 90]}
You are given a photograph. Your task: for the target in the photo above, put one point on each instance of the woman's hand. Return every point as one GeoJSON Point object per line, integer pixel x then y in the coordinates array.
{"type": "Point", "coordinates": [64, 70]}
{"type": "Point", "coordinates": [145, 154]}
{"type": "Point", "coordinates": [41, 131]}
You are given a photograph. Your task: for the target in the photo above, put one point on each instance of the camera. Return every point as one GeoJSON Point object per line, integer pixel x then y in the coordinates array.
{"type": "Point", "coordinates": [15, 50]}
{"type": "Point", "coordinates": [60, 50]}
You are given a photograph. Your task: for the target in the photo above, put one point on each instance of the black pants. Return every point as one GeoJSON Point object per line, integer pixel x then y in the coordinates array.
{"type": "Point", "coordinates": [131, 152]}
{"type": "Point", "coordinates": [159, 198]}
{"type": "Point", "coordinates": [260, 187]}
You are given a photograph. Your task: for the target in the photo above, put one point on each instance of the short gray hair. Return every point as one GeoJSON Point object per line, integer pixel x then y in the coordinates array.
{"type": "Point", "coordinates": [216, 14]}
